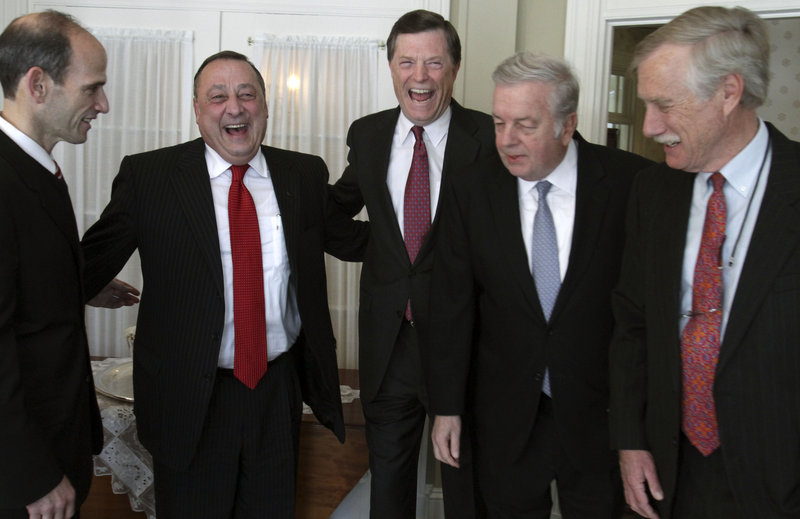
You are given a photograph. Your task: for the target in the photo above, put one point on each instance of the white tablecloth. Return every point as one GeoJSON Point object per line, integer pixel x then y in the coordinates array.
{"type": "Point", "coordinates": [123, 457]}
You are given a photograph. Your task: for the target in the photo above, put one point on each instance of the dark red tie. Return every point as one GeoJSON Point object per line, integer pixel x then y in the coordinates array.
{"type": "Point", "coordinates": [700, 339]}
{"type": "Point", "coordinates": [416, 202]}
{"type": "Point", "coordinates": [59, 175]}
{"type": "Point", "coordinates": [249, 316]}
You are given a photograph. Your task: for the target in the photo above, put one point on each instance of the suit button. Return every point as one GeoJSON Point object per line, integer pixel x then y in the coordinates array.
{"type": "Point", "coordinates": [675, 441]}
{"type": "Point", "coordinates": [538, 377]}
{"type": "Point", "coordinates": [215, 337]}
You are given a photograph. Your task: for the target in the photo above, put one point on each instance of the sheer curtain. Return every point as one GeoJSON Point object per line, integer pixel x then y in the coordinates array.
{"type": "Point", "coordinates": [316, 87]}
{"type": "Point", "coordinates": [149, 90]}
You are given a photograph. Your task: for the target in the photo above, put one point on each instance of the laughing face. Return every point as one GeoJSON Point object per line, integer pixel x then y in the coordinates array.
{"type": "Point", "coordinates": [231, 110]}
{"type": "Point", "coordinates": [423, 74]}
{"type": "Point", "coordinates": [690, 128]}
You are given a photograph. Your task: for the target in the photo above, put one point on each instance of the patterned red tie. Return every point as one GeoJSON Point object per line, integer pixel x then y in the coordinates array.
{"type": "Point", "coordinates": [249, 316]}
{"type": "Point", "coordinates": [59, 175]}
{"type": "Point", "coordinates": [700, 339]}
{"type": "Point", "coordinates": [417, 202]}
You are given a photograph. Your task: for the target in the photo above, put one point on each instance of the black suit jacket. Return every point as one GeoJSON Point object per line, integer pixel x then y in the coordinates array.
{"type": "Point", "coordinates": [388, 278]}
{"type": "Point", "coordinates": [486, 307]}
{"type": "Point", "coordinates": [49, 423]}
{"type": "Point", "coordinates": [757, 382]}
{"type": "Point", "coordinates": [161, 203]}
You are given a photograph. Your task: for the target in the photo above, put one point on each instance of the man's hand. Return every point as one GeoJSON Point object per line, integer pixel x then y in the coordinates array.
{"type": "Point", "coordinates": [59, 503]}
{"type": "Point", "coordinates": [115, 295]}
{"type": "Point", "coordinates": [446, 436]}
{"type": "Point", "coordinates": [638, 474]}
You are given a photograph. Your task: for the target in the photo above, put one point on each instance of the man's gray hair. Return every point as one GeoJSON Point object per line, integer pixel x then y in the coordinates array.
{"type": "Point", "coordinates": [529, 67]}
{"type": "Point", "coordinates": [724, 41]}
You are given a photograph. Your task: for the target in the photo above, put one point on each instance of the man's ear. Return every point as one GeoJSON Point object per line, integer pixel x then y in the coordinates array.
{"type": "Point", "coordinates": [36, 84]}
{"type": "Point", "coordinates": [732, 90]}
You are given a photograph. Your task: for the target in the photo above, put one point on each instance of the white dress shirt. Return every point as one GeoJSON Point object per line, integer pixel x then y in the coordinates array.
{"type": "Point", "coordinates": [283, 317]}
{"type": "Point", "coordinates": [435, 137]}
{"type": "Point", "coordinates": [28, 145]}
{"type": "Point", "coordinates": [745, 177]}
{"type": "Point", "coordinates": [560, 199]}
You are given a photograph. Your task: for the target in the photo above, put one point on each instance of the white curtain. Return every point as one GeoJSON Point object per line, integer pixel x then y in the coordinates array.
{"type": "Point", "coordinates": [149, 90]}
{"type": "Point", "coordinates": [316, 87]}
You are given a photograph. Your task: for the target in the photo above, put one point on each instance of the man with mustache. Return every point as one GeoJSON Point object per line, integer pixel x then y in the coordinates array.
{"type": "Point", "coordinates": [704, 363]}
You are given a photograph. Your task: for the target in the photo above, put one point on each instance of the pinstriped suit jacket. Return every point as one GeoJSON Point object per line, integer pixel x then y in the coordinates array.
{"type": "Point", "coordinates": [161, 203]}
{"type": "Point", "coordinates": [757, 382]}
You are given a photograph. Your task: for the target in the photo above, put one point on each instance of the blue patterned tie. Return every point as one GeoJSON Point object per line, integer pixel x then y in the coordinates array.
{"type": "Point", "coordinates": [544, 260]}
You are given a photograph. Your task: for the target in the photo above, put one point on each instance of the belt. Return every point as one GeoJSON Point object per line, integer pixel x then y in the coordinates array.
{"type": "Point", "coordinates": [227, 372]}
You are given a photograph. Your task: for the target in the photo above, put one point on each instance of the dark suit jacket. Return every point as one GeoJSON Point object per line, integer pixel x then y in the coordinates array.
{"type": "Point", "coordinates": [388, 278]}
{"type": "Point", "coordinates": [485, 300]}
{"type": "Point", "coordinates": [757, 382]}
{"type": "Point", "coordinates": [161, 203]}
{"type": "Point", "coordinates": [48, 412]}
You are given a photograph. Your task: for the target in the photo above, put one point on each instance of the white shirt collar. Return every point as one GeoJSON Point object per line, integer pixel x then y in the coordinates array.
{"type": "Point", "coordinates": [436, 131]}
{"type": "Point", "coordinates": [28, 145]}
{"type": "Point", "coordinates": [742, 170]}
{"type": "Point", "coordinates": [564, 177]}
{"type": "Point", "coordinates": [217, 165]}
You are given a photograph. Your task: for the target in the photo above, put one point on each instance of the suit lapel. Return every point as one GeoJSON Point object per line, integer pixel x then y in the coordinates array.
{"type": "Point", "coordinates": [284, 183]}
{"type": "Point", "coordinates": [377, 163]}
{"type": "Point", "coordinates": [193, 193]}
{"type": "Point", "coordinates": [461, 151]}
{"type": "Point", "coordinates": [504, 202]}
{"type": "Point", "coordinates": [670, 211]}
{"type": "Point", "coordinates": [774, 237]}
{"type": "Point", "coordinates": [591, 204]}
{"type": "Point", "coordinates": [52, 193]}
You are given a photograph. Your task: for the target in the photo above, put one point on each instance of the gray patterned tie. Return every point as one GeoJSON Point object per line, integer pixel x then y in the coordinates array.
{"type": "Point", "coordinates": [544, 260]}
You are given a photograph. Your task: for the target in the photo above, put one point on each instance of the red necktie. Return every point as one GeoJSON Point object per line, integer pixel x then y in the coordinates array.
{"type": "Point", "coordinates": [249, 316]}
{"type": "Point", "coordinates": [416, 202]}
{"type": "Point", "coordinates": [700, 339]}
{"type": "Point", "coordinates": [59, 175]}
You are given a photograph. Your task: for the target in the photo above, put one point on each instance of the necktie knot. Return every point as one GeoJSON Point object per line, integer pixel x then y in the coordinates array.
{"type": "Point", "coordinates": [238, 171]}
{"type": "Point", "coordinates": [717, 180]}
{"type": "Point", "coordinates": [417, 130]}
{"type": "Point", "coordinates": [543, 187]}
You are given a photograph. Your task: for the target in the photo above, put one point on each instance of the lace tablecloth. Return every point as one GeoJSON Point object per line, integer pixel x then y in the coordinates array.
{"type": "Point", "coordinates": [123, 457]}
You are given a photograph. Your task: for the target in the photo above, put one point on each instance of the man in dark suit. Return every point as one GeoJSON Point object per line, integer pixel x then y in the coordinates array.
{"type": "Point", "coordinates": [521, 292]}
{"type": "Point", "coordinates": [225, 226]}
{"type": "Point", "coordinates": [424, 54]}
{"type": "Point", "coordinates": [52, 72]}
{"type": "Point", "coordinates": [704, 363]}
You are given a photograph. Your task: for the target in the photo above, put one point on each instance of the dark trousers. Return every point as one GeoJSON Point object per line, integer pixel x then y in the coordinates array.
{"type": "Point", "coordinates": [522, 489]}
{"type": "Point", "coordinates": [395, 419]}
{"type": "Point", "coordinates": [703, 490]}
{"type": "Point", "coordinates": [246, 463]}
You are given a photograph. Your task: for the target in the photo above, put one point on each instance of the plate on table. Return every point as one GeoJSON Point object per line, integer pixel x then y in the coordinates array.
{"type": "Point", "coordinates": [116, 381]}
